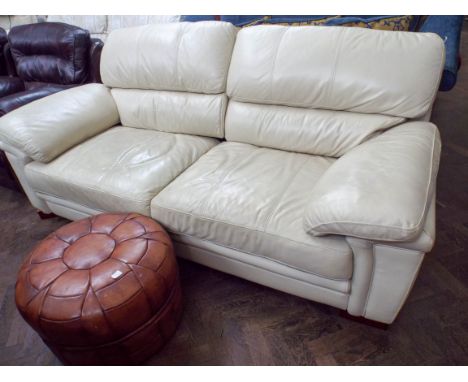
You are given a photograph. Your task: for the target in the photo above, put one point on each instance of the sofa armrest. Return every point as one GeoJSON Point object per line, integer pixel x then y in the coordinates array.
{"type": "Point", "coordinates": [382, 189]}
{"type": "Point", "coordinates": [47, 127]}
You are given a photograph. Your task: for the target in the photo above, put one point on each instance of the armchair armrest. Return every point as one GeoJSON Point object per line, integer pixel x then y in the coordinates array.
{"type": "Point", "coordinates": [10, 85]}
{"type": "Point", "coordinates": [382, 189]}
{"type": "Point", "coordinates": [47, 127]}
{"type": "Point", "coordinates": [95, 51]}
{"type": "Point", "coordinates": [23, 97]}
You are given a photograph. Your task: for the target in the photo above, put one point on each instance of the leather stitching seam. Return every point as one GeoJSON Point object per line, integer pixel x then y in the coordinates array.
{"type": "Point", "coordinates": [256, 266]}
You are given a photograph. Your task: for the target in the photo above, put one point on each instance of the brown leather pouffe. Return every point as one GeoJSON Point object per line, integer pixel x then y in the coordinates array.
{"type": "Point", "coordinates": [103, 290]}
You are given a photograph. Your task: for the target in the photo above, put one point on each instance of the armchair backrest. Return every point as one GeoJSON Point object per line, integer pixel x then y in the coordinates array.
{"type": "Point", "coordinates": [170, 77]}
{"type": "Point", "coordinates": [323, 90]}
{"type": "Point", "coordinates": [50, 52]}
{"type": "Point", "coordinates": [3, 42]}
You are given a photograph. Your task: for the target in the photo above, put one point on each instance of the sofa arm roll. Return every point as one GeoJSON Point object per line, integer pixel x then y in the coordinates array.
{"type": "Point", "coordinates": [382, 189]}
{"type": "Point", "coordinates": [49, 126]}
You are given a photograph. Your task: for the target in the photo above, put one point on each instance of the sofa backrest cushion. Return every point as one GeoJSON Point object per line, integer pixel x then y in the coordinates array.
{"type": "Point", "coordinates": [337, 68]}
{"type": "Point", "coordinates": [324, 90]}
{"type": "Point", "coordinates": [170, 77]}
{"type": "Point", "coordinates": [173, 112]}
{"type": "Point", "coordinates": [50, 52]}
{"type": "Point", "coordinates": [188, 57]}
{"type": "Point", "coordinates": [309, 131]}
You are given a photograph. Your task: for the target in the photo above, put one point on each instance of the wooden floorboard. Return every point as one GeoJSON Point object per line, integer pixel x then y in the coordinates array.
{"type": "Point", "coordinates": [230, 321]}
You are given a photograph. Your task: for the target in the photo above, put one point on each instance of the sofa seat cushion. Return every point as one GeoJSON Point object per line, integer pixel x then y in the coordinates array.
{"type": "Point", "coordinates": [121, 169]}
{"type": "Point", "coordinates": [252, 199]}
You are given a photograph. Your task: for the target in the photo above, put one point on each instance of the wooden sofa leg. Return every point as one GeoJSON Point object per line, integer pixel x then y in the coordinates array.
{"type": "Point", "coordinates": [44, 216]}
{"type": "Point", "coordinates": [365, 321]}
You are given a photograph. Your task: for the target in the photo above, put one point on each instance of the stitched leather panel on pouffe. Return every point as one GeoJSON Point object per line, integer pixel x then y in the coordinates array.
{"type": "Point", "coordinates": [102, 290]}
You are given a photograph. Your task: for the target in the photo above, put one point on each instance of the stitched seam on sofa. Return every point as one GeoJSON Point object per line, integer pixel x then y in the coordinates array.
{"type": "Point", "coordinates": [281, 195]}
{"type": "Point", "coordinates": [220, 130]}
{"type": "Point", "coordinates": [398, 248]}
{"type": "Point", "coordinates": [371, 284]}
{"type": "Point", "coordinates": [331, 83]}
{"type": "Point", "coordinates": [180, 32]}
{"type": "Point", "coordinates": [351, 224]}
{"type": "Point", "coordinates": [257, 255]}
{"type": "Point", "coordinates": [408, 290]}
{"type": "Point", "coordinates": [267, 270]}
{"type": "Point", "coordinates": [261, 232]}
{"type": "Point", "coordinates": [274, 61]}
{"type": "Point", "coordinates": [106, 193]}
{"type": "Point", "coordinates": [228, 173]}
{"type": "Point", "coordinates": [44, 195]}
{"type": "Point", "coordinates": [223, 88]}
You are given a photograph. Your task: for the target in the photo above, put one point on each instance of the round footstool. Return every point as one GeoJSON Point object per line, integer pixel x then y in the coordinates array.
{"type": "Point", "coordinates": [103, 290]}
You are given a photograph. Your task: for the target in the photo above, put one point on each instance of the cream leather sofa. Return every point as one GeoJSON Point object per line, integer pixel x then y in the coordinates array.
{"type": "Point", "coordinates": [323, 186]}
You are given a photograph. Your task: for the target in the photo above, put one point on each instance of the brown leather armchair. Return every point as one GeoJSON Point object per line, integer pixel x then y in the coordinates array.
{"type": "Point", "coordinates": [8, 85]}
{"type": "Point", "coordinates": [45, 58]}
{"type": "Point", "coordinates": [3, 42]}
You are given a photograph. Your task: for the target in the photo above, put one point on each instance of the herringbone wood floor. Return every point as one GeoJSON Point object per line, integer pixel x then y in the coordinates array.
{"type": "Point", "coordinates": [229, 321]}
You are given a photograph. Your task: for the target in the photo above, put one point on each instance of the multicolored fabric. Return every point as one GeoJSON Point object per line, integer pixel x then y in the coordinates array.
{"type": "Point", "coordinates": [396, 23]}
{"type": "Point", "coordinates": [393, 23]}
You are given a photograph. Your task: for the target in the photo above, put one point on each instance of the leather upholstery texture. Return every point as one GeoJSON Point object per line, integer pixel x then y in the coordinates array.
{"type": "Point", "coordinates": [309, 131]}
{"type": "Point", "coordinates": [10, 85]}
{"type": "Point", "coordinates": [103, 290]}
{"type": "Point", "coordinates": [192, 57]}
{"type": "Point", "coordinates": [172, 112]}
{"type": "Point", "coordinates": [78, 113]}
{"type": "Point", "coordinates": [350, 69]}
{"type": "Point", "coordinates": [10, 63]}
{"type": "Point", "coordinates": [3, 42]}
{"type": "Point", "coordinates": [256, 201]}
{"type": "Point", "coordinates": [95, 51]}
{"type": "Point", "coordinates": [50, 52]}
{"type": "Point", "coordinates": [121, 169]}
{"type": "Point", "coordinates": [382, 189]}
